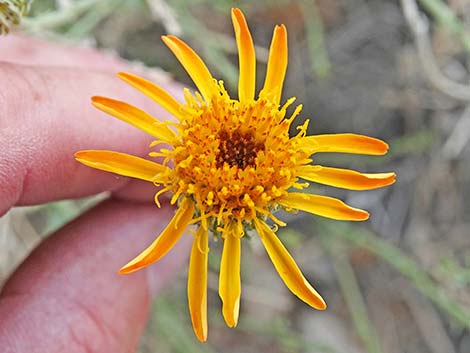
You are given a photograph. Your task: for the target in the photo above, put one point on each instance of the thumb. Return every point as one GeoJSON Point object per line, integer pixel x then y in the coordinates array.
{"type": "Point", "coordinates": [68, 297]}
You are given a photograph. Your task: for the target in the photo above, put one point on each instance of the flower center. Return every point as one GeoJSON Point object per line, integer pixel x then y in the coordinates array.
{"type": "Point", "coordinates": [234, 160]}
{"type": "Point", "coordinates": [237, 149]}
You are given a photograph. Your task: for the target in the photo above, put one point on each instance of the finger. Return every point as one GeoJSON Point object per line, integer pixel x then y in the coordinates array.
{"type": "Point", "coordinates": [136, 190]}
{"type": "Point", "coordinates": [45, 117]}
{"type": "Point", "coordinates": [33, 51]}
{"type": "Point", "coordinates": [68, 297]}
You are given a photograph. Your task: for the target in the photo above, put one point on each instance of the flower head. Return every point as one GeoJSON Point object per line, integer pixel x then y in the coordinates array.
{"type": "Point", "coordinates": [230, 166]}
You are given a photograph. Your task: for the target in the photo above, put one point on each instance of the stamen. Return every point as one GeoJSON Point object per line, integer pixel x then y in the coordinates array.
{"type": "Point", "coordinates": [237, 149]}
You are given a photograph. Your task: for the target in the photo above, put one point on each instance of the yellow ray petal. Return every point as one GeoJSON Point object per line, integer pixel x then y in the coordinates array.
{"type": "Point", "coordinates": [165, 241]}
{"type": "Point", "coordinates": [197, 284]}
{"type": "Point", "coordinates": [287, 268]}
{"type": "Point", "coordinates": [154, 92]}
{"type": "Point", "coordinates": [229, 281]}
{"type": "Point", "coordinates": [121, 163]}
{"type": "Point", "coordinates": [277, 65]}
{"type": "Point", "coordinates": [345, 178]}
{"type": "Point", "coordinates": [246, 57]}
{"type": "Point", "coordinates": [323, 206]}
{"type": "Point", "coordinates": [135, 117]}
{"type": "Point", "coordinates": [345, 143]}
{"type": "Point", "coordinates": [193, 65]}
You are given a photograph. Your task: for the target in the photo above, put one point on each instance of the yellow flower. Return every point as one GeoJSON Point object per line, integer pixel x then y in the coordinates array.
{"type": "Point", "coordinates": [231, 165]}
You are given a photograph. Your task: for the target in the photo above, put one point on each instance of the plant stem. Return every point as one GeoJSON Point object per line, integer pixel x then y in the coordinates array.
{"type": "Point", "coordinates": [403, 264]}
{"type": "Point", "coordinates": [352, 294]}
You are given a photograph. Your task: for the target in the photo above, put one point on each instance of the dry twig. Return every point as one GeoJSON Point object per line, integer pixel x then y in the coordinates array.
{"type": "Point", "coordinates": [420, 28]}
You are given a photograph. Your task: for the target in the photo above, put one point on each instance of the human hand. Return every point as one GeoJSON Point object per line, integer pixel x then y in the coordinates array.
{"type": "Point", "coordinates": [67, 296]}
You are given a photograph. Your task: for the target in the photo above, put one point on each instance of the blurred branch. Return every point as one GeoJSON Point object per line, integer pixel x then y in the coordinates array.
{"type": "Point", "coordinates": [58, 18]}
{"type": "Point", "coordinates": [61, 4]}
{"type": "Point", "coordinates": [446, 17]}
{"type": "Point", "coordinates": [161, 10]}
{"type": "Point", "coordinates": [88, 22]}
{"type": "Point", "coordinates": [405, 265]}
{"type": "Point", "coordinates": [420, 28]}
{"type": "Point", "coordinates": [315, 35]}
{"type": "Point", "coordinates": [352, 294]}
{"type": "Point", "coordinates": [459, 137]}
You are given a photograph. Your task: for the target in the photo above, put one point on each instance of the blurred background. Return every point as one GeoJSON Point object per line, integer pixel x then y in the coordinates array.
{"type": "Point", "coordinates": [397, 70]}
